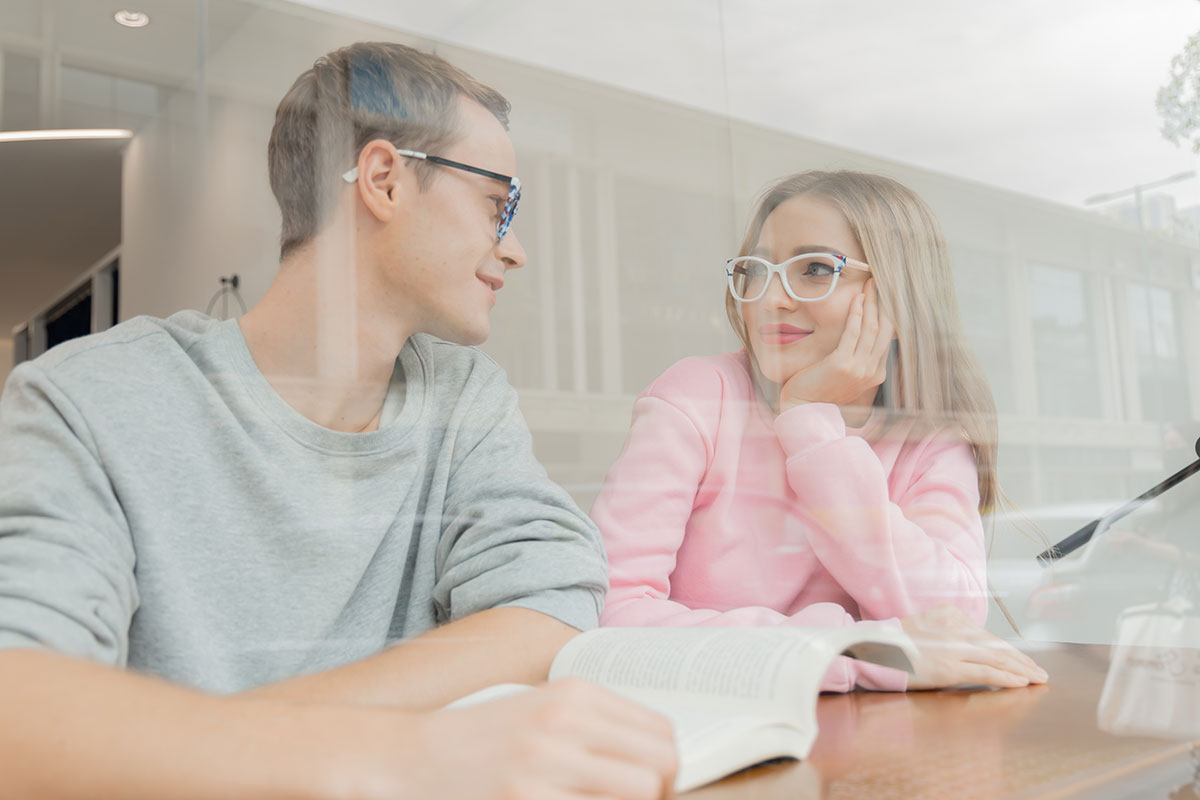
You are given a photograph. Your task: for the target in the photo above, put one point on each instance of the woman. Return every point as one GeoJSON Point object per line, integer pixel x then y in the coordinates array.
{"type": "Point", "coordinates": [797, 482]}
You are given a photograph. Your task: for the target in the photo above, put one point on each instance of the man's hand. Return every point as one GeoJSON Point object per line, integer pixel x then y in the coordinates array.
{"type": "Point", "coordinates": [137, 738]}
{"type": "Point", "coordinates": [569, 739]}
{"type": "Point", "coordinates": [954, 651]}
{"type": "Point", "coordinates": [856, 365]}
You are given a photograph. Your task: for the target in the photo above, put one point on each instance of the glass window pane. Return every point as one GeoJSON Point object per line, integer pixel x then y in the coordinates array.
{"type": "Point", "coordinates": [1068, 381]}
{"type": "Point", "coordinates": [982, 287]}
{"type": "Point", "coordinates": [22, 89]}
{"type": "Point", "coordinates": [1162, 380]}
{"type": "Point", "coordinates": [93, 99]}
{"type": "Point", "coordinates": [672, 243]}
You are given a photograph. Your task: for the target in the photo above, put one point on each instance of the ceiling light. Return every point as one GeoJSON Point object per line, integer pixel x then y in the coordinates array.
{"type": "Point", "coordinates": [76, 133]}
{"type": "Point", "coordinates": [132, 19]}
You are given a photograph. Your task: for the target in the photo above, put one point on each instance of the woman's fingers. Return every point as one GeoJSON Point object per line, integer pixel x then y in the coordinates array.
{"type": "Point", "coordinates": [996, 654]}
{"type": "Point", "coordinates": [869, 333]}
{"type": "Point", "coordinates": [968, 674]}
{"type": "Point", "coordinates": [955, 651]}
{"type": "Point", "coordinates": [856, 365]}
{"type": "Point", "coordinates": [849, 341]}
{"type": "Point", "coordinates": [1001, 655]}
{"type": "Point", "coordinates": [943, 667]}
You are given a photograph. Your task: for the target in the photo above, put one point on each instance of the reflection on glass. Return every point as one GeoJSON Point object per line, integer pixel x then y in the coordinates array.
{"type": "Point", "coordinates": [1076, 475]}
{"type": "Point", "coordinates": [671, 240]}
{"type": "Point", "coordinates": [1162, 379]}
{"type": "Point", "coordinates": [981, 285]}
{"type": "Point", "coordinates": [1153, 682]}
{"type": "Point", "coordinates": [1147, 559]}
{"type": "Point", "coordinates": [1067, 379]}
{"type": "Point", "coordinates": [92, 99]}
{"type": "Point", "coordinates": [21, 91]}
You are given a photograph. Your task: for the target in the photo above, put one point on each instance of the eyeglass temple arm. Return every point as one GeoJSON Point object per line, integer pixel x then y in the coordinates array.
{"type": "Point", "coordinates": [351, 175]}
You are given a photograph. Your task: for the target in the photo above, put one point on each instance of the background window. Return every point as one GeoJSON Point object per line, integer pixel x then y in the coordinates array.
{"type": "Point", "coordinates": [1162, 379]}
{"type": "Point", "coordinates": [1068, 383]}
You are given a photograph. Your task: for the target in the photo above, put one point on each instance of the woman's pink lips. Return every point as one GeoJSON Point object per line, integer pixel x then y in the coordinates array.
{"type": "Point", "coordinates": [782, 334]}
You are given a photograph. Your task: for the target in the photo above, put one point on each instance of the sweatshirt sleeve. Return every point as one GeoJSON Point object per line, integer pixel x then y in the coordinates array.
{"type": "Point", "coordinates": [894, 558]}
{"type": "Point", "coordinates": [511, 536]}
{"type": "Point", "coordinates": [66, 555]}
{"type": "Point", "coordinates": [642, 512]}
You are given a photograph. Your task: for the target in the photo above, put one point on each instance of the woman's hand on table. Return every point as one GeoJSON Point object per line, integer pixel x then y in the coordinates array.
{"type": "Point", "coordinates": [954, 651]}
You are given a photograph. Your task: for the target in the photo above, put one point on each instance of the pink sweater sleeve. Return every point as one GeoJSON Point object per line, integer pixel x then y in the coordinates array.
{"type": "Point", "coordinates": [894, 558]}
{"type": "Point", "coordinates": [642, 512]}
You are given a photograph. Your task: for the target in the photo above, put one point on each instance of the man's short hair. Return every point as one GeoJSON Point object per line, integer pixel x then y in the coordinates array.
{"type": "Point", "coordinates": [366, 91]}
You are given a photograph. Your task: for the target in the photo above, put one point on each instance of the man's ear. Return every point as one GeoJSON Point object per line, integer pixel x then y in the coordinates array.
{"type": "Point", "coordinates": [382, 179]}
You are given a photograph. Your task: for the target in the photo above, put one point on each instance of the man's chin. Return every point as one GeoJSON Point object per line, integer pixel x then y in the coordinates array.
{"type": "Point", "coordinates": [465, 336]}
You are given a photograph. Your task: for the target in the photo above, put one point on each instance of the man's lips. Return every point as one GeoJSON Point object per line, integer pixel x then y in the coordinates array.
{"type": "Point", "coordinates": [782, 334]}
{"type": "Point", "coordinates": [492, 283]}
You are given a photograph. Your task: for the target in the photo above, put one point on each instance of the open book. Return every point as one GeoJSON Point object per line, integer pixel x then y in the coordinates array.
{"type": "Point", "coordinates": [737, 696]}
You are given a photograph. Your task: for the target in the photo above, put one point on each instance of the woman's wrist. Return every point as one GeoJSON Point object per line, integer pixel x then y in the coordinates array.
{"type": "Point", "coordinates": [808, 425]}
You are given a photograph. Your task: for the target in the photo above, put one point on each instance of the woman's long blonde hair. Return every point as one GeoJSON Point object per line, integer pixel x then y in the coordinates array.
{"type": "Point", "coordinates": [937, 379]}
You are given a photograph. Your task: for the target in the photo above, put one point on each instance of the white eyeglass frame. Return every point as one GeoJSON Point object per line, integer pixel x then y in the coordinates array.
{"type": "Point", "coordinates": [781, 270]}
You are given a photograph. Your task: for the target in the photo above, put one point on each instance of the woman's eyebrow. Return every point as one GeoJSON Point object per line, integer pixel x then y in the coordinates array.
{"type": "Point", "coordinates": [762, 252]}
{"type": "Point", "coordinates": [816, 248]}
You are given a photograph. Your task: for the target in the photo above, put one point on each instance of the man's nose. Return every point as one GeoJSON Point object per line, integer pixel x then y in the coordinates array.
{"type": "Point", "coordinates": [511, 252]}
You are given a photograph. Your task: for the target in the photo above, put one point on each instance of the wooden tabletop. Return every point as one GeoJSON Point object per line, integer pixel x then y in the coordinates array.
{"type": "Point", "coordinates": [1041, 741]}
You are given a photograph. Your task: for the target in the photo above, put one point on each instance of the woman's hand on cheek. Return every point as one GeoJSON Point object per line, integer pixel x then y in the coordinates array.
{"type": "Point", "coordinates": [857, 365]}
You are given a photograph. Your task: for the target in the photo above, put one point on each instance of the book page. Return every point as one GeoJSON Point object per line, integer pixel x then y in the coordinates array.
{"type": "Point", "coordinates": [496, 691]}
{"type": "Point", "coordinates": [734, 662]}
{"type": "Point", "coordinates": [772, 666]}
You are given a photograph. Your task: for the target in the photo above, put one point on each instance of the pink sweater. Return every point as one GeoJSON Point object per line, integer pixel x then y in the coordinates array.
{"type": "Point", "coordinates": [717, 512]}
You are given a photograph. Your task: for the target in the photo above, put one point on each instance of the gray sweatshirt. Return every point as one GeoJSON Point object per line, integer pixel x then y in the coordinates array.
{"type": "Point", "coordinates": [162, 507]}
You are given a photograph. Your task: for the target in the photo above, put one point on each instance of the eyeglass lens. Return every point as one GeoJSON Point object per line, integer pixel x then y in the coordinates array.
{"type": "Point", "coordinates": [811, 278]}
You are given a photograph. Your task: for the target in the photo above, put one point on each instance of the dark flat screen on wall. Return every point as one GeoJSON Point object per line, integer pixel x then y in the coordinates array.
{"type": "Point", "coordinates": [70, 319]}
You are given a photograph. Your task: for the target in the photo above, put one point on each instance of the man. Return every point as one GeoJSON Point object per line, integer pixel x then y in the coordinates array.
{"type": "Point", "coordinates": [257, 509]}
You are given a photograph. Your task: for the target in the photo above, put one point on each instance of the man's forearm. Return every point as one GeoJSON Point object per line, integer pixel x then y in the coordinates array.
{"type": "Point", "coordinates": [500, 645]}
{"type": "Point", "coordinates": [71, 729]}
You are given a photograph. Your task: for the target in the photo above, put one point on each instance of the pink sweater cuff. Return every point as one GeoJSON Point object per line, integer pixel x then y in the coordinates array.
{"type": "Point", "coordinates": [806, 426]}
{"type": "Point", "coordinates": [846, 673]}
{"type": "Point", "coordinates": [875, 677]}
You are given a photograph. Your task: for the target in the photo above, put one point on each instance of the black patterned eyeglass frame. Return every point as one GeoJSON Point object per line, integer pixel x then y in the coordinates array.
{"type": "Point", "coordinates": [514, 184]}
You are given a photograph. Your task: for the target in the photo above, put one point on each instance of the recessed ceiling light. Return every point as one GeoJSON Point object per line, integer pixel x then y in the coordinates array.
{"type": "Point", "coordinates": [76, 133]}
{"type": "Point", "coordinates": [132, 19]}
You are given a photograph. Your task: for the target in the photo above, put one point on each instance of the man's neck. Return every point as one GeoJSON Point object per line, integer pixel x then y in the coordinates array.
{"type": "Point", "coordinates": [321, 345]}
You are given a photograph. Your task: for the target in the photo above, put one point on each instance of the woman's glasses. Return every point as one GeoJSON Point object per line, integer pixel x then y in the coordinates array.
{"type": "Point", "coordinates": [514, 184]}
{"type": "Point", "coordinates": [807, 277]}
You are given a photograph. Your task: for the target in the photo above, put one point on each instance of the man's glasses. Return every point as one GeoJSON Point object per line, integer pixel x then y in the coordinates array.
{"type": "Point", "coordinates": [514, 184]}
{"type": "Point", "coordinates": [807, 277]}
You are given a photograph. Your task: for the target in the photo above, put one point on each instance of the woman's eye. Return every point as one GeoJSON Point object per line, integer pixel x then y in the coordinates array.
{"type": "Point", "coordinates": [818, 269]}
